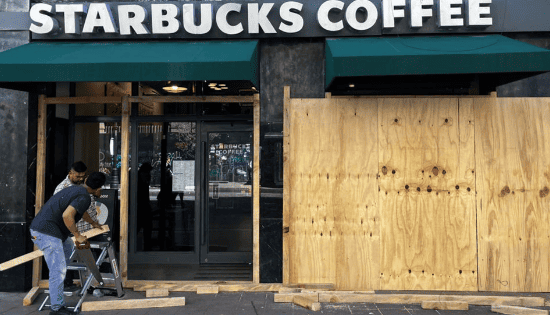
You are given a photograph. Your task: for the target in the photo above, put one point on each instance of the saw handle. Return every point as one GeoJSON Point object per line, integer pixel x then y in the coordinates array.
{"type": "Point", "coordinates": [84, 245]}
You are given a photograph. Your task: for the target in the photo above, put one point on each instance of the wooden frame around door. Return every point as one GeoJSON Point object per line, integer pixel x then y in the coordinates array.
{"type": "Point", "coordinates": [126, 100]}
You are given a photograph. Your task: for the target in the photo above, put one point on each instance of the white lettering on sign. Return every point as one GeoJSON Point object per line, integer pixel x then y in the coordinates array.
{"type": "Point", "coordinates": [162, 14]}
{"type": "Point", "coordinates": [38, 14]}
{"type": "Point", "coordinates": [448, 12]}
{"type": "Point", "coordinates": [99, 15]}
{"type": "Point", "coordinates": [229, 18]}
{"type": "Point", "coordinates": [322, 15]}
{"type": "Point", "coordinates": [132, 17]}
{"type": "Point", "coordinates": [420, 10]}
{"type": "Point", "coordinates": [294, 18]}
{"type": "Point", "coordinates": [69, 12]}
{"type": "Point", "coordinates": [189, 19]}
{"type": "Point", "coordinates": [391, 10]}
{"type": "Point", "coordinates": [221, 19]}
{"type": "Point", "coordinates": [258, 18]}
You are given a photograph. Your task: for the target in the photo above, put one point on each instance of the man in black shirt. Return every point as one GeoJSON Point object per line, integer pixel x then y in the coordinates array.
{"type": "Point", "coordinates": [52, 227]}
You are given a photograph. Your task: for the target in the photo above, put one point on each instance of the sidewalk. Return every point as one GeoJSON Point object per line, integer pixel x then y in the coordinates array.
{"type": "Point", "coordinates": [242, 303]}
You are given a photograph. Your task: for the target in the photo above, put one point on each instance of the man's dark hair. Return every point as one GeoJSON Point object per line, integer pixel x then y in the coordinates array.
{"type": "Point", "coordinates": [79, 167]}
{"type": "Point", "coordinates": [96, 180]}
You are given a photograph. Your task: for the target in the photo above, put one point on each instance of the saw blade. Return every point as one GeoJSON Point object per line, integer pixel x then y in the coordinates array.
{"type": "Point", "coordinates": [85, 256]}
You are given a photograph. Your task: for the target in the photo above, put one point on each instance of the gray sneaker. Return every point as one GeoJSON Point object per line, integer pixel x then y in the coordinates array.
{"type": "Point", "coordinates": [62, 311]}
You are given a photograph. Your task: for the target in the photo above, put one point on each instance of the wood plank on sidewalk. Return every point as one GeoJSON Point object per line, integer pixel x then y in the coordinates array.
{"type": "Point", "coordinates": [132, 304]}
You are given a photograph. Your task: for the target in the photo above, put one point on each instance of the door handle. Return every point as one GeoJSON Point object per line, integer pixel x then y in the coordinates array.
{"type": "Point", "coordinates": [204, 199]}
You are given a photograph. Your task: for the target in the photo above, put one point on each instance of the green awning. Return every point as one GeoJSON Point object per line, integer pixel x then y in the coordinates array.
{"type": "Point", "coordinates": [130, 61]}
{"type": "Point", "coordinates": [394, 56]}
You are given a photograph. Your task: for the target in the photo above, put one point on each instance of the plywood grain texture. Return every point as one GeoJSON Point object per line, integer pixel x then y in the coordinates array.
{"type": "Point", "coordinates": [513, 161]}
{"type": "Point", "coordinates": [333, 231]}
{"type": "Point", "coordinates": [426, 197]}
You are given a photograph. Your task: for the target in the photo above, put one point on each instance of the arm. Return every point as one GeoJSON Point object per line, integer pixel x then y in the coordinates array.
{"type": "Point", "coordinates": [68, 218]}
{"type": "Point", "coordinates": [86, 217]}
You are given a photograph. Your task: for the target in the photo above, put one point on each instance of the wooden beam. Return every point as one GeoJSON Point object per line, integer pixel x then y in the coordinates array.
{"type": "Point", "coordinates": [156, 293]}
{"type": "Point", "coordinates": [40, 176]}
{"type": "Point", "coordinates": [191, 286]}
{"type": "Point", "coordinates": [419, 298]}
{"type": "Point", "coordinates": [306, 302]}
{"type": "Point", "coordinates": [286, 184]}
{"type": "Point", "coordinates": [84, 100]}
{"type": "Point", "coordinates": [516, 310]}
{"type": "Point", "coordinates": [439, 305]}
{"type": "Point", "coordinates": [132, 304]}
{"type": "Point", "coordinates": [192, 99]}
{"type": "Point", "coordinates": [208, 289]}
{"type": "Point", "coordinates": [38, 253]}
{"type": "Point", "coordinates": [289, 297]}
{"type": "Point", "coordinates": [124, 188]}
{"type": "Point", "coordinates": [256, 192]}
{"type": "Point", "coordinates": [29, 298]}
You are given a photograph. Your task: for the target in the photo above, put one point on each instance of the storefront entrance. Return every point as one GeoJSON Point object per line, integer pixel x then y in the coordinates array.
{"type": "Point", "coordinates": [191, 200]}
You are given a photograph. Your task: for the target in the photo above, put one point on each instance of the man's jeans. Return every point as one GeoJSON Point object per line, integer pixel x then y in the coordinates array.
{"type": "Point", "coordinates": [56, 254]}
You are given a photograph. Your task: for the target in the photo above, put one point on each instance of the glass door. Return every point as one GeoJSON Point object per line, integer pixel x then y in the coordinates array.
{"type": "Point", "coordinates": [226, 210]}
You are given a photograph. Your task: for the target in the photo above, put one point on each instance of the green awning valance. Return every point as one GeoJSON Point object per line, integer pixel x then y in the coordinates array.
{"type": "Point", "coordinates": [393, 56]}
{"type": "Point", "coordinates": [130, 61]}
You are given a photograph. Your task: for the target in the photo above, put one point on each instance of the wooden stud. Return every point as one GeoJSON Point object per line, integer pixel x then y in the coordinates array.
{"type": "Point", "coordinates": [289, 297]}
{"type": "Point", "coordinates": [31, 296]}
{"type": "Point", "coordinates": [418, 298]}
{"type": "Point", "coordinates": [256, 192]}
{"type": "Point", "coordinates": [516, 310]}
{"type": "Point", "coordinates": [208, 289]}
{"type": "Point", "coordinates": [286, 184]}
{"type": "Point", "coordinates": [439, 305]}
{"type": "Point", "coordinates": [307, 303]}
{"type": "Point", "coordinates": [191, 286]}
{"type": "Point", "coordinates": [124, 189]}
{"type": "Point", "coordinates": [84, 100]}
{"type": "Point", "coordinates": [193, 99]}
{"type": "Point", "coordinates": [132, 304]}
{"type": "Point", "coordinates": [38, 253]}
{"type": "Point", "coordinates": [40, 176]}
{"type": "Point", "coordinates": [156, 293]}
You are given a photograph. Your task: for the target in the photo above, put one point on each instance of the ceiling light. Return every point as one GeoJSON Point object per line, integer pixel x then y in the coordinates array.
{"type": "Point", "coordinates": [217, 89]}
{"type": "Point", "coordinates": [222, 84]}
{"type": "Point", "coordinates": [352, 85]}
{"type": "Point", "coordinates": [212, 84]}
{"type": "Point", "coordinates": [174, 88]}
{"type": "Point", "coordinates": [224, 88]}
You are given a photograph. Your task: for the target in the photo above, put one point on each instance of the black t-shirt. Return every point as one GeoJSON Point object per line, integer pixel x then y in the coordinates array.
{"type": "Point", "coordinates": [50, 218]}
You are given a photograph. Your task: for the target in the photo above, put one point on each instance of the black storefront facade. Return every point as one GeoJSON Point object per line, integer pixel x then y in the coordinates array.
{"type": "Point", "coordinates": [115, 58]}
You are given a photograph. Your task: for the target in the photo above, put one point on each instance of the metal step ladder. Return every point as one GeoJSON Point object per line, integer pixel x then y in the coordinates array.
{"type": "Point", "coordinates": [88, 270]}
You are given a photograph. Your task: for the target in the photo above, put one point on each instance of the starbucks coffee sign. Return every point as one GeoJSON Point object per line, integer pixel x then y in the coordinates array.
{"type": "Point", "coordinates": [256, 19]}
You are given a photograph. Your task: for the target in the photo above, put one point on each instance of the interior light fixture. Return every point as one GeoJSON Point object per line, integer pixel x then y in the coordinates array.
{"type": "Point", "coordinates": [174, 88]}
{"type": "Point", "coordinates": [212, 84]}
{"type": "Point", "coordinates": [352, 85]}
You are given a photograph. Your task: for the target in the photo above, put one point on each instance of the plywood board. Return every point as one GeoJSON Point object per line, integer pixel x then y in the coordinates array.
{"type": "Point", "coordinates": [513, 162]}
{"type": "Point", "coordinates": [427, 194]}
{"type": "Point", "coordinates": [333, 233]}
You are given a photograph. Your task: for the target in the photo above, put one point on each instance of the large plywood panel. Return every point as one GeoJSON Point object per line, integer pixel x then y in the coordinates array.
{"type": "Point", "coordinates": [333, 235]}
{"type": "Point", "coordinates": [426, 197]}
{"type": "Point", "coordinates": [512, 157]}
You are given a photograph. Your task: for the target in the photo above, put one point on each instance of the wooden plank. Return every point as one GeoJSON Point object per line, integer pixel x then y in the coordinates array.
{"type": "Point", "coordinates": [124, 189]}
{"type": "Point", "coordinates": [207, 289]}
{"type": "Point", "coordinates": [438, 305]}
{"type": "Point", "coordinates": [132, 304]}
{"type": "Point", "coordinates": [31, 296]}
{"type": "Point", "coordinates": [418, 298]}
{"type": "Point", "coordinates": [38, 253]}
{"type": "Point", "coordinates": [517, 310]}
{"type": "Point", "coordinates": [193, 99]}
{"type": "Point", "coordinates": [289, 297]}
{"type": "Point", "coordinates": [40, 176]}
{"type": "Point", "coordinates": [256, 192]}
{"type": "Point", "coordinates": [307, 303]}
{"type": "Point", "coordinates": [84, 100]}
{"type": "Point", "coordinates": [191, 286]}
{"type": "Point", "coordinates": [286, 183]}
{"type": "Point", "coordinates": [156, 293]}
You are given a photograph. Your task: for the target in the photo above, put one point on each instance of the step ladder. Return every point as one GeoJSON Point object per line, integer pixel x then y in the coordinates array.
{"type": "Point", "coordinates": [88, 270]}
